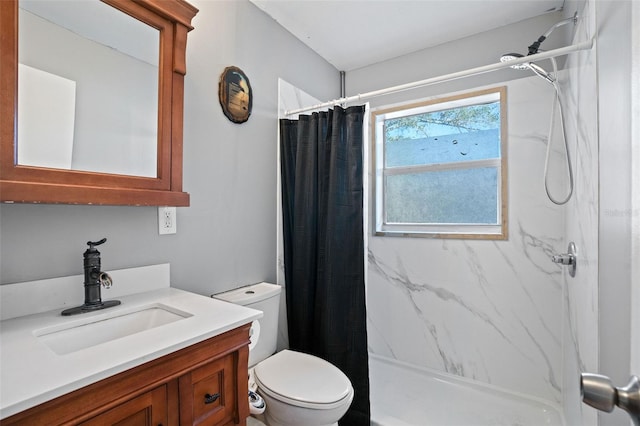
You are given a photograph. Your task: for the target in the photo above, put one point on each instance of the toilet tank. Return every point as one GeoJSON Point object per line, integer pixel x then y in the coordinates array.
{"type": "Point", "coordinates": [264, 297]}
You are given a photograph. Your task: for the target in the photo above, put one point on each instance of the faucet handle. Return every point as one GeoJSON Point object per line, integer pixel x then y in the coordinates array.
{"type": "Point", "coordinates": [105, 280]}
{"type": "Point", "coordinates": [92, 244]}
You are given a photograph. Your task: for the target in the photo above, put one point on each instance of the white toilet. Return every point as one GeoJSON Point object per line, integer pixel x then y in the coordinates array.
{"type": "Point", "coordinates": [298, 389]}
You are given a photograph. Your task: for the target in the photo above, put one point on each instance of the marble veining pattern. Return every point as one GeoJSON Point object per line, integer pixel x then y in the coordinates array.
{"type": "Point", "coordinates": [485, 310]}
{"type": "Point", "coordinates": [580, 293]}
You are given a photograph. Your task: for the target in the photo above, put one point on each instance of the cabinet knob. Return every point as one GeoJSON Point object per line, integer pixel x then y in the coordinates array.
{"type": "Point", "coordinates": [210, 399]}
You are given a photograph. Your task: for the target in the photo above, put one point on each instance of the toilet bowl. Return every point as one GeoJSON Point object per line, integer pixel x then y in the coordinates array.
{"type": "Point", "coordinates": [298, 389]}
{"type": "Point", "coordinates": [301, 389]}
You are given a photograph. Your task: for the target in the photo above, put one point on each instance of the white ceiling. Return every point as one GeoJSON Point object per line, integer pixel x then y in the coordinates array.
{"type": "Point", "coordinates": [351, 34]}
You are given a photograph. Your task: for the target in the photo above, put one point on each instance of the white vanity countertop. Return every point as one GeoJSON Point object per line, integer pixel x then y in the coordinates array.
{"type": "Point", "coordinates": [32, 373]}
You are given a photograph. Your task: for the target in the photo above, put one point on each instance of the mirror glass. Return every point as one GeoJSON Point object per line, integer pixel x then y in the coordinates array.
{"type": "Point", "coordinates": [87, 88]}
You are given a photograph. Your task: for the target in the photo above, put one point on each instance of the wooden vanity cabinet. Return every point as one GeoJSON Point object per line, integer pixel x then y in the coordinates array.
{"type": "Point", "coordinates": [203, 384]}
{"type": "Point", "coordinates": [148, 409]}
{"type": "Point", "coordinates": [204, 394]}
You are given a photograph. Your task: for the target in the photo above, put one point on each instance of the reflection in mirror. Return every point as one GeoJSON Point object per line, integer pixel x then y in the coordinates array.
{"type": "Point", "coordinates": [87, 88]}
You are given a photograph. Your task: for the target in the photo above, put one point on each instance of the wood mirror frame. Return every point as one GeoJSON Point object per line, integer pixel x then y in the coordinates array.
{"type": "Point", "coordinates": [28, 184]}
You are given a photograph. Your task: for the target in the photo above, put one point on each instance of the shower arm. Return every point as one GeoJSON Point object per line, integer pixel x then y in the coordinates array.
{"type": "Point", "coordinates": [533, 49]}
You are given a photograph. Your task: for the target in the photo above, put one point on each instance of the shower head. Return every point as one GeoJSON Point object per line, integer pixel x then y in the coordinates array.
{"type": "Point", "coordinates": [538, 70]}
{"type": "Point", "coordinates": [513, 56]}
{"type": "Point", "coordinates": [533, 49]}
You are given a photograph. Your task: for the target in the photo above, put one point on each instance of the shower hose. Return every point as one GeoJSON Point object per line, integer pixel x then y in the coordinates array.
{"type": "Point", "coordinates": [557, 100]}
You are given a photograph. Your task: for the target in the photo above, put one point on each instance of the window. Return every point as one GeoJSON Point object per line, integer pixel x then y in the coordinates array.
{"type": "Point", "coordinates": [441, 167]}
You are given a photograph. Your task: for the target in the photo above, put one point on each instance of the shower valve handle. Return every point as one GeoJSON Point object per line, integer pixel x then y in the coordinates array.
{"type": "Point", "coordinates": [569, 259]}
{"type": "Point", "coordinates": [564, 259]}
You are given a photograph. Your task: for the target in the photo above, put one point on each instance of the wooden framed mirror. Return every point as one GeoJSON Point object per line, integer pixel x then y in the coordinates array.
{"type": "Point", "coordinates": [26, 182]}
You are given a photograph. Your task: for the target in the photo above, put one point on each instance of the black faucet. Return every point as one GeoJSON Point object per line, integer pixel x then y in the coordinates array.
{"type": "Point", "coordinates": [93, 279]}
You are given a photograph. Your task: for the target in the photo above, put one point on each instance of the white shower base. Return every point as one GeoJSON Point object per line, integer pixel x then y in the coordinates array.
{"type": "Point", "coordinates": [404, 395]}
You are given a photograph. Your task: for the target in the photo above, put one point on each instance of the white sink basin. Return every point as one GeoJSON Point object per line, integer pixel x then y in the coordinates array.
{"type": "Point", "coordinates": [68, 338]}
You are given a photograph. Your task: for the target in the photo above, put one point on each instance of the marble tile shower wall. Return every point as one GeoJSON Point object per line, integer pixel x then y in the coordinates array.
{"type": "Point", "coordinates": [580, 295]}
{"type": "Point", "coordinates": [486, 310]}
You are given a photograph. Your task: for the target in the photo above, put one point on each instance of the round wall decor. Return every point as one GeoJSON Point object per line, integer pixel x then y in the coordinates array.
{"type": "Point", "coordinates": [234, 93]}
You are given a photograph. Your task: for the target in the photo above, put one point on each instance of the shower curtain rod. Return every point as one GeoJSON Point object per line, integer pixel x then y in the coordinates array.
{"type": "Point", "coordinates": [585, 45]}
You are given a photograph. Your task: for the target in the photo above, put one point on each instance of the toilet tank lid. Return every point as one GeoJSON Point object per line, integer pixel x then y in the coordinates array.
{"type": "Point", "coordinates": [247, 295]}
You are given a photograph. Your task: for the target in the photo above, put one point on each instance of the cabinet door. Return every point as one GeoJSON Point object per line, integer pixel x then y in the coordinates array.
{"type": "Point", "coordinates": [149, 409]}
{"type": "Point", "coordinates": [207, 394]}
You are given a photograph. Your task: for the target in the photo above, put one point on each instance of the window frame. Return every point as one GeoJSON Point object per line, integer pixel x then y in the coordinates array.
{"type": "Point", "coordinates": [497, 231]}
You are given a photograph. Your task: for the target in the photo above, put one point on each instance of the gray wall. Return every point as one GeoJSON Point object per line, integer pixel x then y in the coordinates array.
{"type": "Point", "coordinates": [227, 237]}
{"type": "Point", "coordinates": [470, 52]}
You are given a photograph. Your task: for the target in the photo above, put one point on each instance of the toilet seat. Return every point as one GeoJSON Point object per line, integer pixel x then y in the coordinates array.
{"type": "Point", "coordinates": [303, 380]}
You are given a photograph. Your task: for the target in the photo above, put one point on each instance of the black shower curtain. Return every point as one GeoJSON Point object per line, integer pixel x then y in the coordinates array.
{"type": "Point", "coordinates": [322, 204]}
